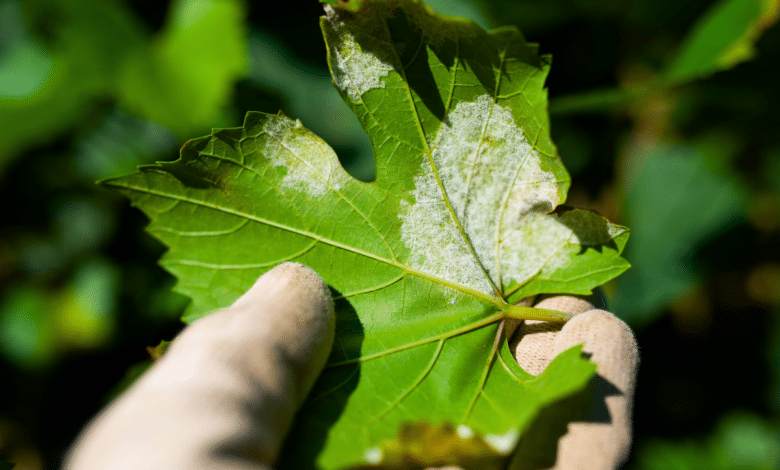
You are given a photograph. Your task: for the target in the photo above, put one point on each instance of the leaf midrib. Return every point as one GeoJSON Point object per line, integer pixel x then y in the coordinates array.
{"type": "Point", "coordinates": [429, 155]}
{"type": "Point", "coordinates": [498, 302]}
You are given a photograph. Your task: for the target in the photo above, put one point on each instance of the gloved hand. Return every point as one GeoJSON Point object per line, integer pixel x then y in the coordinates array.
{"type": "Point", "coordinates": [224, 394]}
{"type": "Point", "coordinates": [599, 418]}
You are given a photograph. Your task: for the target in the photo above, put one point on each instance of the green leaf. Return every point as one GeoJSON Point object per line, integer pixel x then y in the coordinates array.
{"type": "Point", "coordinates": [426, 261]}
{"type": "Point", "coordinates": [722, 38]}
{"type": "Point", "coordinates": [44, 91]}
{"type": "Point", "coordinates": [698, 204]}
{"type": "Point", "coordinates": [200, 53]}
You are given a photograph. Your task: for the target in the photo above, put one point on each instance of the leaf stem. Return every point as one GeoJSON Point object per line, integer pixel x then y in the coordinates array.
{"type": "Point", "coordinates": [520, 312]}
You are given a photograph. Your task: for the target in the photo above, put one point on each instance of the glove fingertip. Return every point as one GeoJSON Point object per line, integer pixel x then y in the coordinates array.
{"type": "Point", "coordinates": [292, 278]}
{"type": "Point", "coordinates": [608, 340]}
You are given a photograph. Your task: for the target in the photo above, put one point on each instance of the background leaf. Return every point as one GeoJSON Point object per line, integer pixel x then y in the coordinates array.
{"type": "Point", "coordinates": [93, 51]}
{"type": "Point", "coordinates": [698, 203]}
{"type": "Point", "coordinates": [722, 38]}
{"type": "Point", "coordinates": [87, 43]}
{"type": "Point", "coordinates": [160, 79]}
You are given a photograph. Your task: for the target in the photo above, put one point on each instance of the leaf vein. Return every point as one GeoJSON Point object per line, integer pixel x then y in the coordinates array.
{"type": "Point", "coordinates": [486, 370]}
{"type": "Point", "coordinates": [372, 289]}
{"type": "Point", "coordinates": [413, 386]}
{"type": "Point", "coordinates": [499, 303]}
{"type": "Point", "coordinates": [464, 329]}
{"type": "Point", "coordinates": [502, 212]}
{"type": "Point", "coordinates": [201, 264]}
{"type": "Point", "coordinates": [212, 233]}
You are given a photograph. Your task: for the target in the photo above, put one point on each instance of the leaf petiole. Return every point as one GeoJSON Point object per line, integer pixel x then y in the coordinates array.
{"type": "Point", "coordinates": [520, 312]}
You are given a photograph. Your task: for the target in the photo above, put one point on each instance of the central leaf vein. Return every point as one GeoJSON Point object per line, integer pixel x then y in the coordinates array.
{"type": "Point", "coordinates": [498, 302]}
{"type": "Point", "coordinates": [429, 155]}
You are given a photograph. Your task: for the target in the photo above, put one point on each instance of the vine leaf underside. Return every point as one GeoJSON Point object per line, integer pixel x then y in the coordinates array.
{"type": "Point", "coordinates": [460, 222]}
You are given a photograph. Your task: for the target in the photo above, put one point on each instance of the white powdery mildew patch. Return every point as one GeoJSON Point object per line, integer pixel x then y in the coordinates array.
{"type": "Point", "coordinates": [437, 247]}
{"type": "Point", "coordinates": [354, 71]}
{"type": "Point", "coordinates": [536, 247]}
{"type": "Point", "coordinates": [497, 187]}
{"type": "Point", "coordinates": [312, 166]}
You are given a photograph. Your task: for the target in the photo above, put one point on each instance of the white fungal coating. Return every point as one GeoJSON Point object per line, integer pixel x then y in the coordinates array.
{"type": "Point", "coordinates": [355, 71]}
{"type": "Point", "coordinates": [464, 432]}
{"type": "Point", "coordinates": [503, 443]}
{"type": "Point", "coordinates": [437, 246]}
{"type": "Point", "coordinates": [495, 183]}
{"type": "Point", "coordinates": [312, 166]}
{"type": "Point", "coordinates": [499, 193]}
{"type": "Point", "coordinates": [535, 247]}
{"type": "Point", "coordinates": [373, 455]}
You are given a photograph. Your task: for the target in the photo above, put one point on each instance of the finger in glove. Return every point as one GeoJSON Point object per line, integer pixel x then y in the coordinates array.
{"type": "Point", "coordinates": [224, 394]}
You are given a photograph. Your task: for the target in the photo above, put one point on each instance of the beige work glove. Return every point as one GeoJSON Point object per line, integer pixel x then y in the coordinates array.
{"type": "Point", "coordinates": [595, 425]}
{"type": "Point", "coordinates": [224, 394]}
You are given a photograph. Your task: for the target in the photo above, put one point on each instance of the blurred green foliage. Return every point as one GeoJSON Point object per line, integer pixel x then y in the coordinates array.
{"type": "Point", "coordinates": [741, 441]}
{"type": "Point", "coordinates": [665, 113]}
{"type": "Point", "coordinates": [720, 39]}
{"type": "Point", "coordinates": [59, 55]}
{"type": "Point", "coordinates": [697, 203]}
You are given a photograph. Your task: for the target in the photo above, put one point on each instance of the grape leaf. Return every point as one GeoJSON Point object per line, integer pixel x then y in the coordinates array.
{"type": "Point", "coordinates": [426, 261]}
{"type": "Point", "coordinates": [159, 79]}
{"type": "Point", "coordinates": [724, 37]}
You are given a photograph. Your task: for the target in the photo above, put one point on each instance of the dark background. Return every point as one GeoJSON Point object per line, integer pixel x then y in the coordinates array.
{"type": "Point", "coordinates": [693, 169]}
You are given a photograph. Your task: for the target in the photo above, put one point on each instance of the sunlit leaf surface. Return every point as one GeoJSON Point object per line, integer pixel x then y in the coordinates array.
{"type": "Point", "coordinates": [426, 260]}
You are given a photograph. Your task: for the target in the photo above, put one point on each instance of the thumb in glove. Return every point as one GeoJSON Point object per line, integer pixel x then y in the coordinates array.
{"type": "Point", "coordinates": [598, 435]}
